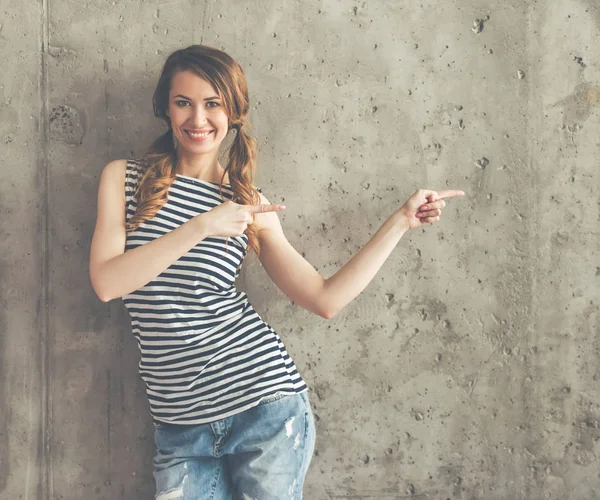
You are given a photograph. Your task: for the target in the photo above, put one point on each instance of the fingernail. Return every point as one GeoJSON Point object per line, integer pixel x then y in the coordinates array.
{"type": "Point", "coordinates": [418, 214]}
{"type": "Point", "coordinates": [281, 206]}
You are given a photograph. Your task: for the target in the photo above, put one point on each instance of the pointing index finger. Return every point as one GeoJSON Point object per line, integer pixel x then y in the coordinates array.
{"type": "Point", "coordinates": [253, 209]}
{"type": "Point", "coordinates": [450, 193]}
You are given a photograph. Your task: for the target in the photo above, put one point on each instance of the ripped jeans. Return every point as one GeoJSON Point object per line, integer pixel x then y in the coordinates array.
{"type": "Point", "coordinates": [262, 453]}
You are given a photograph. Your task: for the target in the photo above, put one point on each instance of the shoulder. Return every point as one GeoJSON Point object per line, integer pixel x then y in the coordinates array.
{"type": "Point", "coordinates": [263, 198]}
{"type": "Point", "coordinates": [116, 168]}
{"type": "Point", "coordinates": [130, 168]}
{"type": "Point", "coordinates": [111, 192]}
{"type": "Point", "coordinates": [114, 172]}
{"type": "Point", "coordinates": [121, 172]}
{"type": "Point", "coordinates": [112, 179]}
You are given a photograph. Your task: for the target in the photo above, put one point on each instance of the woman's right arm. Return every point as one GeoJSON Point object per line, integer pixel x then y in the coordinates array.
{"type": "Point", "coordinates": [114, 272]}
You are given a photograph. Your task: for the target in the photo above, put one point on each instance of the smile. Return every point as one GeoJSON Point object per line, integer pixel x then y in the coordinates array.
{"type": "Point", "coordinates": [198, 135]}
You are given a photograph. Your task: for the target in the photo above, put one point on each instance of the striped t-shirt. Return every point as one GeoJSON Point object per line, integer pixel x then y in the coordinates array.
{"type": "Point", "coordinates": [205, 352]}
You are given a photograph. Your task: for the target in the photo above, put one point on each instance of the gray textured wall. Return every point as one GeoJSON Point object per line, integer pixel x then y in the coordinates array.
{"type": "Point", "coordinates": [468, 368]}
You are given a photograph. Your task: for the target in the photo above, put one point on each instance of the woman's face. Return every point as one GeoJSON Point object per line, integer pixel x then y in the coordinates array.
{"type": "Point", "coordinates": [197, 114]}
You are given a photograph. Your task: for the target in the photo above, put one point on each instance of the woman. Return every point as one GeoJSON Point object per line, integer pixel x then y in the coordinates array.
{"type": "Point", "coordinates": [231, 413]}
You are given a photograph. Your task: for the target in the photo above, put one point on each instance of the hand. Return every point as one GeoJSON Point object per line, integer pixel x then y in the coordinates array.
{"type": "Point", "coordinates": [425, 207]}
{"type": "Point", "coordinates": [231, 219]}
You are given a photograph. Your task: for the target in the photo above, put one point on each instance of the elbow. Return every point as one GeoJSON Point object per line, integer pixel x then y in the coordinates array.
{"type": "Point", "coordinates": [323, 306]}
{"type": "Point", "coordinates": [104, 298]}
{"type": "Point", "coordinates": [102, 295]}
{"type": "Point", "coordinates": [327, 313]}
{"type": "Point", "coordinates": [98, 289]}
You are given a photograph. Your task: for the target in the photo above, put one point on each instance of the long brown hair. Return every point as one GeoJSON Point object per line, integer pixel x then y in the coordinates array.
{"type": "Point", "coordinates": [227, 77]}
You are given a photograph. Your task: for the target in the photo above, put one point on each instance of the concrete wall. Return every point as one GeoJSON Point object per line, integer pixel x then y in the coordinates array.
{"type": "Point", "coordinates": [468, 368]}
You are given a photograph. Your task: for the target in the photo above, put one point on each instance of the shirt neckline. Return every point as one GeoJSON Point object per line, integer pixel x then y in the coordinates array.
{"type": "Point", "coordinates": [199, 181]}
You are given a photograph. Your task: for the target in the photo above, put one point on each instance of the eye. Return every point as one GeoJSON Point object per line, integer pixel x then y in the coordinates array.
{"type": "Point", "coordinates": [181, 104]}
{"type": "Point", "coordinates": [213, 102]}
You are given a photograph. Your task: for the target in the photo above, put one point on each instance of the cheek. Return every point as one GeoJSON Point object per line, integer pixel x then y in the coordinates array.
{"type": "Point", "coordinates": [224, 121]}
{"type": "Point", "coordinates": [175, 115]}
{"type": "Point", "coordinates": [179, 114]}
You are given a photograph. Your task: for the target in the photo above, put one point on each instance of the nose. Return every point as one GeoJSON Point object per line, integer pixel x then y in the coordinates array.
{"type": "Point", "coordinates": [199, 117]}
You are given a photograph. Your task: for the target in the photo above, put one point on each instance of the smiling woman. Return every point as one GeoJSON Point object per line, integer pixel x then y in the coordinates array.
{"type": "Point", "coordinates": [231, 411]}
{"type": "Point", "coordinates": [172, 232]}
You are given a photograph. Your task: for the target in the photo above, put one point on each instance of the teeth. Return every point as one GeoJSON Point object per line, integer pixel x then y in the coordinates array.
{"type": "Point", "coordinates": [194, 134]}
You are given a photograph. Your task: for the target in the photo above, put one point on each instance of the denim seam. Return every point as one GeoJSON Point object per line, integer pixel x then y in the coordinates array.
{"type": "Point", "coordinates": [213, 490]}
{"type": "Point", "coordinates": [221, 436]}
{"type": "Point", "coordinates": [216, 440]}
{"type": "Point", "coordinates": [272, 398]}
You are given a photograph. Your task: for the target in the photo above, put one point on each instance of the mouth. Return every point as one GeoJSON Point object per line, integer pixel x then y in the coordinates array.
{"type": "Point", "coordinates": [198, 136]}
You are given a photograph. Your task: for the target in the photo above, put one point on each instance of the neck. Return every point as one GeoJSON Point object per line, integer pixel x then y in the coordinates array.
{"type": "Point", "coordinates": [200, 167]}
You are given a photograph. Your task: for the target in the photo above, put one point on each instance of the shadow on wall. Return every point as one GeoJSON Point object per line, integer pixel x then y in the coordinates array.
{"type": "Point", "coordinates": [4, 403]}
{"type": "Point", "coordinates": [102, 434]}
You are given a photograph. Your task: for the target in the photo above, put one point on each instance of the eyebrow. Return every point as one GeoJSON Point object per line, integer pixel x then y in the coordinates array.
{"type": "Point", "coordinates": [189, 98]}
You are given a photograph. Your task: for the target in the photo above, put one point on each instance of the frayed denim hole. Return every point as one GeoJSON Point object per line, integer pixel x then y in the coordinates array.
{"type": "Point", "coordinates": [173, 493]}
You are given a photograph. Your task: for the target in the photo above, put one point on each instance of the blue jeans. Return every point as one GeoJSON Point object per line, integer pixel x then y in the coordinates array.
{"type": "Point", "coordinates": [262, 453]}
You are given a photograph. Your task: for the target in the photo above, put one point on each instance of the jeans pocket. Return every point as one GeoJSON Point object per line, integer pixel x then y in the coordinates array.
{"type": "Point", "coordinates": [161, 425]}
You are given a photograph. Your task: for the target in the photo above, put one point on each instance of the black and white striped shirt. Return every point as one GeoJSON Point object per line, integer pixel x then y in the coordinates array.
{"type": "Point", "coordinates": [206, 354]}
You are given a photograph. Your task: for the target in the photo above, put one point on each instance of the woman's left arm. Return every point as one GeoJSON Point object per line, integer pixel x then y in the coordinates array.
{"type": "Point", "coordinates": [301, 282]}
